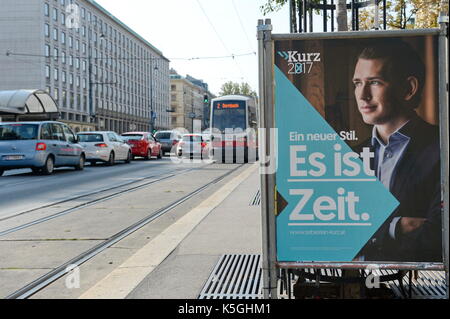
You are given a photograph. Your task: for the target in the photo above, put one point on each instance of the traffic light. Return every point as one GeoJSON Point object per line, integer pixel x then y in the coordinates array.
{"type": "Point", "coordinates": [206, 98]}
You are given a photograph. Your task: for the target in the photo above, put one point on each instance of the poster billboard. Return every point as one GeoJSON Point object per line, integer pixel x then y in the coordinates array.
{"type": "Point", "coordinates": [358, 150]}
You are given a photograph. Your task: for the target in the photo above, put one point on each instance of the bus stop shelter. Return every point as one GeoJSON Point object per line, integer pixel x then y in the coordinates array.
{"type": "Point", "coordinates": [27, 105]}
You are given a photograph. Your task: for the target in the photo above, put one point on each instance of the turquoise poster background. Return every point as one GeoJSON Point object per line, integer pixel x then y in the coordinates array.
{"type": "Point", "coordinates": [334, 202]}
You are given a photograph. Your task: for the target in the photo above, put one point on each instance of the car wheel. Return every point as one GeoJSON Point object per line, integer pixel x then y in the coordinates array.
{"type": "Point", "coordinates": [1, 172]}
{"type": "Point", "coordinates": [49, 166]}
{"type": "Point", "coordinates": [128, 160]}
{"type": "Point", "coordinates": [160, 154]}
{"type": "Point", "coordinates": [149, 155]}
{"type": "Point", "coordinates": [111, 159]}
{"type": "Point", "coordinates": [93, 163]}
{"type": "Point", "coordinates": [80, 165]}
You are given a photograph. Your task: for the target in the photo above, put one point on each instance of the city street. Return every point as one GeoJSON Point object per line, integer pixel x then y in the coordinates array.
{"type": "Point", "coordinates": [47, 221]}
{"type": "Point", "coordinates": [21, 190]}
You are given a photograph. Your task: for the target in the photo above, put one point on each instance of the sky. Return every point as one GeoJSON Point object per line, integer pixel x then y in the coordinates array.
{"type": "Point", "coordinates": [185, 29]}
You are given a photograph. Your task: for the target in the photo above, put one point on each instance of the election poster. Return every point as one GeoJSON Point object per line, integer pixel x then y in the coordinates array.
{"type": "Point", "coordinates": [358, 150]}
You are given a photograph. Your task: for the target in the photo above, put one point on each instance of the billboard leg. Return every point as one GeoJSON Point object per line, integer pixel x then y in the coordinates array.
{"type": "Point", "coordinates": [443, 98]}
{"type": "Point", "coordinates": [266, 120]}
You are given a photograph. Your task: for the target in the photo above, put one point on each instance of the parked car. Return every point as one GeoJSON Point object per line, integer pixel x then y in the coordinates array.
{"type": "Point", "coordinates": [104, 146]}
{"type": "Point", "coordinates": [143, 144]}
{"type": "Point", "coordinates": [192, 145]}
{"type": "Point", "coordinates": [41, 146]}
{"type": "Point", "coordinates": [168, 140]}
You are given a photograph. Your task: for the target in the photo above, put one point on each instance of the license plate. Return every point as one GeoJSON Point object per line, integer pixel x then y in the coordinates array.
{"type": "Point", "coordinates": [13, 157]}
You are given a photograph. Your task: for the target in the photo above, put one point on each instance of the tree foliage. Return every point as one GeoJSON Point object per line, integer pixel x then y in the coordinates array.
{"type": "Point", "coordinates": [401, 14]}
{"type": "Point", "coordinates": [232, 88]}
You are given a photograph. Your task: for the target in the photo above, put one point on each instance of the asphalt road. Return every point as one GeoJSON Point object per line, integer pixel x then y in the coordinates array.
{"type": "Point", "coordinates": [28, 253]}
{"type": "Point", "coordinates": [21, 190]}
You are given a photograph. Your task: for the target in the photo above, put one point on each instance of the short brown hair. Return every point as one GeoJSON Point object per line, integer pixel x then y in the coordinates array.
{"type": "Point", "coordinates": [401, 62]}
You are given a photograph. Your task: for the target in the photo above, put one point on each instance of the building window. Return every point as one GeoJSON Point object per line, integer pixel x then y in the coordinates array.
{"type": "Point", "coordinates": [46, 9]}
{"type": "Point", "coordinates": [55, 14]}
{"type": "Point", "coordinates": [64, 98]}
{"type": "Point", "coordinates": [70, 41]}
{"type": "Point", "coordinates": [55, 54]}
{"type": "Point", "coordinates": [55, 74]}
{"type": "Point", "coordinates": [55, 34]}
{"type": "Point", "coordinates": [63, 76]}
{"type": "Point", "coordinates": [63, 19]}
{"type": "Point", "coordinates": [173, 87]}
{"type": "Point", "coordinates": [47, 30]}
{"type": "Point", "coordinates": [47, 50]}
{"type": "Point", "coordinates": [63, 57]}
{"type": "Point", "coordinates": [47, 71]}
{"type": "Point", "coordinates": [56, 94]}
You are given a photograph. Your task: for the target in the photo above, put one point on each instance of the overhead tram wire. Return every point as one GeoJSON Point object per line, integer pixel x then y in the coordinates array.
{"type": "Point", "coordinates": [220, 38]}
{"type": "Point", "coordinates": [242, 26]}
{"type": "Point", "coordinates": [233, 56]}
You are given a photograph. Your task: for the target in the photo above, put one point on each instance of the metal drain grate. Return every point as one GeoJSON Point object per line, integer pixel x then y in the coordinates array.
{"type": "Point", "coordinates": [427, 285]}
{"type": "Point", "coordinates": [256, 200]}
{"type": "Point", "coordinates": [235, 277]}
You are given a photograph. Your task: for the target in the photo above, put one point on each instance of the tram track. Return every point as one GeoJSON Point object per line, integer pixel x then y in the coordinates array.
{"type": "Point", "coordinates": [93, 201]}
{"type": "Point", "coordinates": [50, 277]}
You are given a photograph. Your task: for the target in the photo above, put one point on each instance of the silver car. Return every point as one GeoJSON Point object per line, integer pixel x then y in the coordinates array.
{"type": "Point", "coordinates": [41, 146]}
{"type": "Point", "coordinates": [169, 140]}
{"type": "Point", "coordinates": [107, 147]}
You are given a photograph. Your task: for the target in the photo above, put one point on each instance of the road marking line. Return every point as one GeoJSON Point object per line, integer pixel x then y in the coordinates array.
{"type": "Point", "coordinates": [121, 281]}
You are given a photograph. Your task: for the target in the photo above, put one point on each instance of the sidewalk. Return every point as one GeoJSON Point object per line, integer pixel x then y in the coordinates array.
{"type": "Point", "coordinates": [167, 268]}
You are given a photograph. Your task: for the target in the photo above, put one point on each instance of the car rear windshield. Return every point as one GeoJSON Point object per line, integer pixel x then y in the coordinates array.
{"type": "Point", "coordinates": [86, 138]}
{"type": "Point", "coordinates": [134, 137]}
{"type": "Point", "coordinates": [192, 138]}
{"type": "Point", "coordinates": [14, 132]}
{"type": "Point", "coordinates": [163, 135]}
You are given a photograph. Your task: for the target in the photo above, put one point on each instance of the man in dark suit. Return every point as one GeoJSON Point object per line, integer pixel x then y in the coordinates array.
{"type": "Point", "coordinates": [388, 80]}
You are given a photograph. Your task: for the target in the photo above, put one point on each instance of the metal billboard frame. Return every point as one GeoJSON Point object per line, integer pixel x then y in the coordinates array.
{"type": "Point", "coordinates": [266, 41]}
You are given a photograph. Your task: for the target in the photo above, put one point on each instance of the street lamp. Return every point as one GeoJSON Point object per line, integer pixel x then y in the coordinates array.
{"type": "Point", "coordinates": [92, 112]}
{"type": "Point", "coordinates": [152, 113]}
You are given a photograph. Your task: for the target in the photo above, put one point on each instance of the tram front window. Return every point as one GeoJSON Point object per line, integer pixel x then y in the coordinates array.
{"type": "Point", "coordinates": [229, 115]}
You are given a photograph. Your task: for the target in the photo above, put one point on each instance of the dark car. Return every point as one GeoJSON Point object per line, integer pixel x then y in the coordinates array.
{"type": "Point", "coordinates": [169, 140]}
{"type": "Point", "coordinates": [143, 144]}
{"type": "Point", "coordinates": [41, 146]}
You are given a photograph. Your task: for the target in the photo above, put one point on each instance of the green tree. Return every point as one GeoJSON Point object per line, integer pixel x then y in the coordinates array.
{"type": "Point", "coordinates": [401, 14]}
{"type": "Point", "coordinates": [232, 88]}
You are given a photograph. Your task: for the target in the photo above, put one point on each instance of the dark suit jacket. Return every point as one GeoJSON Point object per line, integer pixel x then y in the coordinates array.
{"type": "Point", "coordinates": [417, 187]}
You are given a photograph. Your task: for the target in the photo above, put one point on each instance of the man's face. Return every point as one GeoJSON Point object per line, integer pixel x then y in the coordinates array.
{"type": "Point", "coordinates": [376, 95]}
